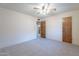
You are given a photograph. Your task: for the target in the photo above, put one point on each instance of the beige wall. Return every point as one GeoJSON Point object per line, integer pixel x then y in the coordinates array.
{"type": "Point", "coordinates": [54, 26]}
{"type": "Point", "coordinates": [16, 27]}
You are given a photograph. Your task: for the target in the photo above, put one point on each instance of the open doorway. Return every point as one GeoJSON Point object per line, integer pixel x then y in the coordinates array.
{"type": "Point", "coordinates": [41, 25]}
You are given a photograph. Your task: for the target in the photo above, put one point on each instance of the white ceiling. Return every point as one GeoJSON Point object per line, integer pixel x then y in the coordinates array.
{"type": "Point", "coordinates": [27, 8]}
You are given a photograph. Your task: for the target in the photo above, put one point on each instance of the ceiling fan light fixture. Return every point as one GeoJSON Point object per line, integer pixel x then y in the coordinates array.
{"type": "Point", "coordinates": [45, 9]}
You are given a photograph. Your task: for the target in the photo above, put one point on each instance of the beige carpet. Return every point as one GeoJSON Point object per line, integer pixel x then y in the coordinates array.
{"type": "Point", "coordinates": [43, 47]}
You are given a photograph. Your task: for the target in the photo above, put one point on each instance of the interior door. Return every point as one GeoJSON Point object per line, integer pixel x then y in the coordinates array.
{"type": "Point", "coordinates": [43, 29]}
{"type": "Point", "coordinates": [67, 29]}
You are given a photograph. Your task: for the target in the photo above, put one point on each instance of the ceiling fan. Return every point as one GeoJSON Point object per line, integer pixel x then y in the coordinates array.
{"type": "Point", "coordinates": [44, 9]}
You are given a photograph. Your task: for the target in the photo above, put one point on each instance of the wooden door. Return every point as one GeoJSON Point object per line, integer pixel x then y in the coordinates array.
{"type": "Point", "coordinates": [67, 29]}
{"type": "Point", "coordinates": [43, 29]}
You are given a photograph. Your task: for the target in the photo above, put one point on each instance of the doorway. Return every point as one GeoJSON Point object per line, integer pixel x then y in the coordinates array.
{"type": "Point", "coordinates": [43, 29]}
{"type": "Point", "coordinates": [67, 29]}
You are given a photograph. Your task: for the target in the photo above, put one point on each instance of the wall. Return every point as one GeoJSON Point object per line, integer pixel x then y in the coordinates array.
{"type": "Point", "coordinates": [16, 27]}
{"type": "Point", "coordinates": [54, 26]}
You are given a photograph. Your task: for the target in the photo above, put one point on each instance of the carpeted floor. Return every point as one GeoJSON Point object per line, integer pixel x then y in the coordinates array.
{"type": "Point", "coordinates": [42, 47]}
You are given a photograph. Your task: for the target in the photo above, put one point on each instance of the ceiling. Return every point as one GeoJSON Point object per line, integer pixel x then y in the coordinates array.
{"type": "Point", "coordinates": [27, 8]}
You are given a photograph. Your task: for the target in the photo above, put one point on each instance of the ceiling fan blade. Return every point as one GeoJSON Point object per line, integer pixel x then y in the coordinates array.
{"type": "Point", "coordinates": [53, 9]}
{"type": "Point", "coordinates": [35, 8]}
{"type": "Point", "coordinates": [43, 7]}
